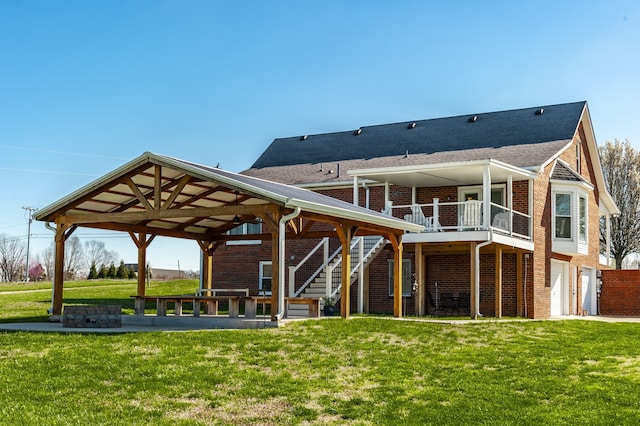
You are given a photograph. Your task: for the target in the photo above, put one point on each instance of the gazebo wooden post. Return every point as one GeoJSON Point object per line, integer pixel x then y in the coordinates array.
{"type": "Point", "coordinates": [397, 275]}
{"type": "Point", "coordinates": [207, 248]}
{"type": "Point", "coordinates": [345, 233]}
{"type": "Point", "coordinates": [62, 233]}
{"type": "Point", "coordinates": [275, 262]}
{"type": "Point", "coordinates": [142, 241]}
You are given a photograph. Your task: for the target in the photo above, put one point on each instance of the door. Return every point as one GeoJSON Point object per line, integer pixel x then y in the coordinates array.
{"type": "Point", "coordinates": [557, 288]}
{"type": "Point", "coordinates": [588, 293]}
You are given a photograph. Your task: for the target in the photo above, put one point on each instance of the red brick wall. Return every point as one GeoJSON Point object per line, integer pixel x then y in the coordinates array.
{"type": "Point", "coordinates": [620, 293]}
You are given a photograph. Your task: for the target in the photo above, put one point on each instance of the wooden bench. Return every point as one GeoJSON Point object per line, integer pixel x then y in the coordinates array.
{"type": "Point", "coordinates": [213, 291]}
{"type": "Point", "coordinates": [211, 304]}
{"type": "Point", "coordinates": [251, 305]}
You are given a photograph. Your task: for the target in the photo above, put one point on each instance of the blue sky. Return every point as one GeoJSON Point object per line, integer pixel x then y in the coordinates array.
{"type": "Point", "coordinates": [87, 85]}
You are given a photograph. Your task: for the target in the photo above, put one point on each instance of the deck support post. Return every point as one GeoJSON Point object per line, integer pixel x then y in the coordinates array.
{"type": "Point", "coordinates": [475, 296]}
{"type": "Point", "coordinates": [420, 282]}
{"type": "Point", "coordinates": [396, 242]}
{"type": "Point", "coordinates": [519, 289]}
{"type": "Point", "coordinates": [498, 307]}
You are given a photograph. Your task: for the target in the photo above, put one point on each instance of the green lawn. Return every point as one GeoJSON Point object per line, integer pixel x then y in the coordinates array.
{"type": "Point", "coordinates": [364, 371]}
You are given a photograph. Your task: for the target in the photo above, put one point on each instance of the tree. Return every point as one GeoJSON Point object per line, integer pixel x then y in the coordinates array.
{"type": "Point", "coordinates": [111, 271]}
{"type": "Point", "coordinates": [12, 258]}
{"type": "Point", "coordinates": [36, 272]}
{"type": "Point", "coordinates": [93, 272]}
{"type": "Point", "coordinates": [121, 273]}
{"type": "Point", "coordinates": [96, 253]}
{"type": "Point", "coordinates": [621, 167]}
{"type": "Point", "coordinates": [74, 263]}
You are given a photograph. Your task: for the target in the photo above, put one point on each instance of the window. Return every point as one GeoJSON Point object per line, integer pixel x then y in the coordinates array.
{"type": "Point", "coordinates": [406, 277]}
{"type": "Point", "coordinates": [578, 157]}
{"type": "Point", "coordinates": [264, 283]}
{"type": "Point", "coordinates": [246, 229]}
{"type": "Point", "coordinates": [582, 210]}
{"type": "Point", "coordinates": [563, 215]}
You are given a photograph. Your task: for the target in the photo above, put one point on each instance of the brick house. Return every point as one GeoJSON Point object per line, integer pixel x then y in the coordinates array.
{"type": "Point", "coordinates": [510, 203]}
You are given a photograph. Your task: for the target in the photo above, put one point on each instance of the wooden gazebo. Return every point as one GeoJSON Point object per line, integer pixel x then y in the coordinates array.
{"type": "Point", "coordinates": [156, 195]}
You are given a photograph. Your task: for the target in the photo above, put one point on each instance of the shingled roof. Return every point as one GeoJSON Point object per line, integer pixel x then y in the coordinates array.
{"type": "Point", "coordinates": [525, 137]}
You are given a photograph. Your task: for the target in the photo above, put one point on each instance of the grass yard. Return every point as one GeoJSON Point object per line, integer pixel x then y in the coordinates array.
{"type": "Point", "coordinates": [365, 371]}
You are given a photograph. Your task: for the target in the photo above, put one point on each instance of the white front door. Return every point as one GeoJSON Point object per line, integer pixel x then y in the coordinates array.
{"type": "Point", "coordinates": [558, 278]}
{"type": "Point", "coordinates": [588, 293]}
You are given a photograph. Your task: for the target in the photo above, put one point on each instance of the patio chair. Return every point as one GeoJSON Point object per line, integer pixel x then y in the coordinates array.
{"type": "Point", "coordinates": [464, 302]}
{"type": "Point", "coordinates": [472, 213]}
{"type": "Point", "coordinates": [501, 221]}
{"type": "Point", "coordinates": [448, 302]}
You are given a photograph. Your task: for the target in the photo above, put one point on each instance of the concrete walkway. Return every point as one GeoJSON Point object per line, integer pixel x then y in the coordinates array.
{"type": "Point", "coordinates": [147, 323]}
{"type": "Point", "coordinates": [134, 324]}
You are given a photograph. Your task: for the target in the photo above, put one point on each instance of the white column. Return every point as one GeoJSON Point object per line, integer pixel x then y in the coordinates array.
{"type": "Point", "coordinates": [510, 202]}
{"type": "Point", "coordinates": [607, 220]}
{"type": "Point", "coordinates": [355, 190]}
{"type": "Point", "coordinates": [486, 195]}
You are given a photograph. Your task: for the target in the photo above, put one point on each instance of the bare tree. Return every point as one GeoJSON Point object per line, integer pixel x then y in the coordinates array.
{"type": "Point", "coordinates": [12, 258]}
{"type": "Point", "coordinates": [96, 254]}
{"type": "Point", "coordinates": [46, 259]}
{"type": "Point", "coordinates": [621, 166]}
{"type": "Point", "coordinates": [74, 261]}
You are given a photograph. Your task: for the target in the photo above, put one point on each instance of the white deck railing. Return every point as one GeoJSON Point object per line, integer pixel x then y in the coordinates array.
{"type": "Point", "coordinates": [465, 216]}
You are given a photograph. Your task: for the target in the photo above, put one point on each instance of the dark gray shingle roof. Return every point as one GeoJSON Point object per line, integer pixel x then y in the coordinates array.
{"type": "Point", "coordinates": [498, 135]}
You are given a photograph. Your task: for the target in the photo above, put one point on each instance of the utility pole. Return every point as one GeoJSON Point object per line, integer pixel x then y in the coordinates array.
{"type": "Point", "coordinates": [31, 210]}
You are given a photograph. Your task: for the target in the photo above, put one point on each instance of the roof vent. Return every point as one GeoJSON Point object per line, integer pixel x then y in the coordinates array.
{"type": "Point", "coordinates": [540, 111]}
{"type": "Point", "coordinates": [412, 125]}
{"type": "Point", "coordinates": [304, 137]}
{"type": "Point", "coordinates": [357, 132]}
{"type": "Point", "coordinates": [473, 119]}
{"type": "Point", "coordinates": [406, 154]}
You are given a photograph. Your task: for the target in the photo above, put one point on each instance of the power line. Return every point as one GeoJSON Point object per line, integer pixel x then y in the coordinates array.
{"type": "Point", "coordinates": [30, 210]}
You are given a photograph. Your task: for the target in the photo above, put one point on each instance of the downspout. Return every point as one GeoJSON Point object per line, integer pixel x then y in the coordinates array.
{"type": "Point", "coordinates": [281, 245]}
{"type": "Point", "coordinates": [51, 228]}
{"type": "Point", "coordinates": [477, 273]}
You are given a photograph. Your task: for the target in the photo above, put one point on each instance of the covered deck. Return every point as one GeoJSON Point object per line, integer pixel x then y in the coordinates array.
{"type": "Point", "coordinates": [484, 212]}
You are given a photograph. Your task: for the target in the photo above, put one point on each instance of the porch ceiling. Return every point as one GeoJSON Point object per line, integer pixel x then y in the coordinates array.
{"type": "Point", "coordinates": [450, 174]}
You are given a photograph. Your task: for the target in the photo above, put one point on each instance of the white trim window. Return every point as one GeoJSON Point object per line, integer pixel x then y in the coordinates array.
{"type": "Point", "coordinates": [406, 277]}
{"type": "Point", "coordinates": [583, 223]}
{"type": "Point", "coordinates": [562, 215]}
{"type": "Point", "coordinates": [264, 279]}
{"type": "Point", "coordinates": [570, 217]}
{"type": "Point", "coordinates": [245, 229]}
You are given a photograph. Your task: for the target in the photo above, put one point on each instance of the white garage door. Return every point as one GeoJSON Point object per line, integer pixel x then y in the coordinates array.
{"type": "Point", "coordinates": [557, 280]}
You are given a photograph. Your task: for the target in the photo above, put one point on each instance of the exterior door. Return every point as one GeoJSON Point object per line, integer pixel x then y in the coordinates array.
{"type": "Point", "coordinates": [588, 293]}
{"type": "Point", "coordinates": [558, 279]}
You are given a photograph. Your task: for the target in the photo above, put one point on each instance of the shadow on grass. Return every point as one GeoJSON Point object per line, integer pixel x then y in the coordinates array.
{"type": "Point", "coordinates": [42, 318]}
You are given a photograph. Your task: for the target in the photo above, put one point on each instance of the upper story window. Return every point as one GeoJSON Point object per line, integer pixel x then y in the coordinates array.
{"type": "Point", "coordinates": [582, 218]}
{"type": "Point", "coordinates": [570, 219]}
{"type": "Point", "coordinates": [563, 215]}
{"type": "Point", "coordinates": [578, 157]}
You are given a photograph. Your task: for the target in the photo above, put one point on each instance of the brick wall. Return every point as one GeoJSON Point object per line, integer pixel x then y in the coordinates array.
{"type": "Point", "coordinates": [620, 293]}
